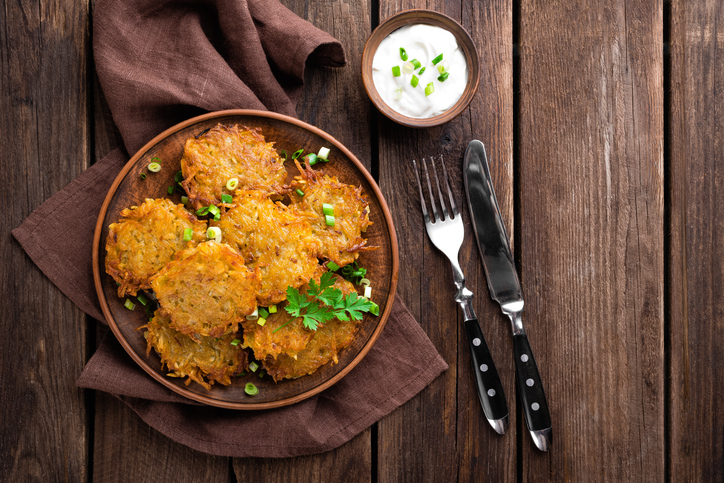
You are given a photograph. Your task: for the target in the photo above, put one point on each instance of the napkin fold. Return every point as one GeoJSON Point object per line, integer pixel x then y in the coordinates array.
{"type": "Point", "coordinates": [162, 62]}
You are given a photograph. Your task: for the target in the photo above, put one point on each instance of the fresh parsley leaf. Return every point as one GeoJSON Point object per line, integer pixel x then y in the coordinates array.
{"type": "Point", "coordinates": [356, 306]}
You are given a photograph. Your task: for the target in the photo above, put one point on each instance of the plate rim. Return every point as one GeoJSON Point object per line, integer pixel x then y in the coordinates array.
{"type": "Point", "coordinates": [98, 283]}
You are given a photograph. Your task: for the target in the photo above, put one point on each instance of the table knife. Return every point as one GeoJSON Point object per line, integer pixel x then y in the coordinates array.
{"type": "Point", "coordinates": [505, 287]}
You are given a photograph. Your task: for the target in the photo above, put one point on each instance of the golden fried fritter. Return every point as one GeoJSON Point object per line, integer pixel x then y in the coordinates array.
{"type": "Point", "coordinates": [207, 290]}
{"type": "Point", "coordinates": [342, 242]}
{"type": "Point", "coordinates": [291, 350]}
{"type": "Point", "coordinates": [217, 359]}
{"type": "Point", "coordinates": [145, 239]}
{"type": "Point", "coordinates": [273, 239]}
{"type": "Point", "coordinates": [226, 152]}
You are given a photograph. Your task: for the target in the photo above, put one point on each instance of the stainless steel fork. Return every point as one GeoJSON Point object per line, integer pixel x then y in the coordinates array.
{"type": "Point", "coordinates": [446, 232]}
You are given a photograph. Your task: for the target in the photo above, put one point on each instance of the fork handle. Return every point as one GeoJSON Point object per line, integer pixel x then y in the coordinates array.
{"type": "Point", "coordinates": [490, 389]}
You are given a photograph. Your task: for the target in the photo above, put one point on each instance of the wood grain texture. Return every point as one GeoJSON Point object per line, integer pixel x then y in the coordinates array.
{"type": "Point", "coordinates": [591, 187]}
{"type": "Point", "coordinates": [696, 267]}
{"type": "Point", "coordinates": [45, 141]}
{"type": "Point", "coordinates": [442, 434]}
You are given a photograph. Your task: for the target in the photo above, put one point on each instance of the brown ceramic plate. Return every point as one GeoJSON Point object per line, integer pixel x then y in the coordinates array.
{"type": "Point", "coordinates": [429, 17]}
{"type": "Point", "coordinates": [289, 135]}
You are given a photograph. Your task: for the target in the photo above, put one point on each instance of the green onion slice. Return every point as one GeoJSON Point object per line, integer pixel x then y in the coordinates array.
{"type": "Point", "coordinates": [215, 211]}
{"type": "Point", "coordinates": [414, 81]}
{"type": "Point", "coordinates": [263, 313]}
{"type": "Point", "coordinates": [368, 292]}
{"type": "Point", "coordinates": [297, 153]}
{"type": "Point", "coordinates": [251, 389]}
{"type": "Point", "coordinates": [143, 175]}
{"type": "Point", "coordinates": [329, 219]}
{"type": "Point", "coordinates": [397, 93]}
{"type": "Point", "coordinates": [283, 155]}
{"type": "Point", "coordinates": [396, 71]}
{"type": "Point", "coordinates": [129, 305]}
{"type": "Point", "coordinates": [299, 192]}
{"type": "Point", "coordinates": [375, 309]}
{"type": "Point", "coordinates": [170, 190]}
{"type": "Point", "coordinates": [416, 63]}
{"type": "Point", "coordinates": [323, 154]}
{"type": "Point", "coordinates": [332, 266]}
{"type": "Point", "coordinates": [232, 184]}
{"type": "Point", "coordinates": [443, 77]}
{"type": "Point", "coordinates": [429, 89]}
{"type": "Point", "coordinates": [235, 342]}
{"type": "Point", "coordinates": [328, 209]}
{"type": "Point", "coordinates": [154, 167]}
{"type": "Point", "coordinates": [403, 53]}
{"type": "Point", "coordinates": [188, 234]}
{"type": "Point", "coordinates": [253, 366]}
{"type": "Point", "coordinates": [214, 233]}
{"type": "Point", "coordinates": [226, 198]}
{"type": "Point", "coordinates": [202, 211]}
{"type": "Point", "coordinates": [185, 200]}
{"type": "Point", "coordinates": [408, 67]}
{"type": "Point", "coordinates": [273, 309]}
{"type": "Point", "coordinates": [141, 298]}
{"type": "Point", "coordinates": [443, 67]}
{"type": "Point", "coordinates": [422, 71]}
{"type": "Point", "coordinates": [312, 158]}
{"type": "Point", "coordinates": [254, 315]}
{"type": "Point", "coordinates": [261, 321]}
{"type": "Point", "coordinates": [437, 60]}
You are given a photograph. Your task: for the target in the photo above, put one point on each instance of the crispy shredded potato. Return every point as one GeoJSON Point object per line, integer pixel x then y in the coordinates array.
{"type": "Point", "coordinates": [207, 290]}
{"type": "Point", "coordinates": [342, 242]}
{"type": "Point", "coordinates": [273, 239]}
{"type": "Point", "coordinates": [145, 239]}
{"type": "Point", "coordinates": [217, 359]}
{"type": "Point", "coordinates": [211, 159]}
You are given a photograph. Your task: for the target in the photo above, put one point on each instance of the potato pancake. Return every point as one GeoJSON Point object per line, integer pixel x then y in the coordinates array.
{"type": "Point", "coordinates": [145, 239]}
{"type": "Point", "coordinates": [207, 290]}
{"type": "Point", "coordinates": [342, 242]}
{"type": "Point", "coordinates": [223, 153]}
{"type": "Point", "coordinates": [273, 239]}
{"type": "Point", "coordinates": [217, 359]}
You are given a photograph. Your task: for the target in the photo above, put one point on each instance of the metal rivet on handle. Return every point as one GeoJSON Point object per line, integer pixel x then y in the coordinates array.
{"type": "Point", "coordinates": [484, 367]}
{"type": "Point", "coordinates": [491, 392]}
{"type": "Point", "coordinates": [476, 342]}
{"type": "Point", "coordinates": [529, 382]}
{"type": "Point", "coordinates": [535, 406]}
{"type": "Point", "coordinates": [524, 358]}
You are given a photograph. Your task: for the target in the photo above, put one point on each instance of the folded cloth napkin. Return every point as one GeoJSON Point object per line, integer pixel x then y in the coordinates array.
{"type": "Point", "coordinates": [159, 63]}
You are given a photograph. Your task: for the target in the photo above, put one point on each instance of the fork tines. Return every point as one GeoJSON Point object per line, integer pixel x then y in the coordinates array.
{"type": "Point", "coordinates": [433, 205]}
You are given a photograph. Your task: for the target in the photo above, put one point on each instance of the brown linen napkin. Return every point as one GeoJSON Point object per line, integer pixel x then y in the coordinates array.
{"type": "Point", "coordinates": [212, 71]}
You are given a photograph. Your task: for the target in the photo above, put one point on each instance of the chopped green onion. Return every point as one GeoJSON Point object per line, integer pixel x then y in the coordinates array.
{"type": "Point", "coordinates": [368, 292]}
{"type": "Point", "coordinates": [429, 89]}
{"type": "Point", "coordinates": [297, 153]}
{"type": "Point", "coordinates": [329, 219]}
{"type": "Point", "coordinates": [299, 192]}
{"type": "Point", "coordinates": [129, 305]}
{"type": "Point", "coordinates": [263, 313]}
{"type": "Point", "coordinates": [397, 92]}
{"type": "Point", "coordinates": [170, 190]}
{"type": "Point", "coordinates": [141, 298]}
{"type": "Point", "coordinates": [408, 67]}
{"type": "Point", "coordinates": [215, 211]}
{"type": "Point", "coordinates": [312, 158]}
{"type": "Point", "coordinates": [156, 158]}
{"type": "Point", "coordinates": [143, 175]}
{"type": "Point", "coordinates": [443, 77]}
{"type": "Point", "coordinates": [232, 184]}
{"type": "Point", "coordinates": [254, 315]}
{"type": "Point", "coordinates": [188, 234]}
{"type": "Point", "coordinates": [396, 71]}
{"type": "Point", "coordinates": [414, 81]}
{"type": "Point", "coordinates": [323, 153]}
{"type": "Point", "coordinates": [214, 233]}
{"type": "Point", "coordinates": [226, 198]}
{"type": "Point", "coordinates": [416, 63]}
{"type": "Point", "coordinates": [154, 167]}
{"type": "Point", "coordinates": [283, 155]}
{"type": "Point", "coordinates": [364, 281]}
{"type": "Point", "coordinates": [332, 266]}
{"type": "Point", "coordinates": [253, 366]}
{"type": "Point", "coordinates": [202, 211]}
{"type": "Point", "coordinates": [251, 389]}
{"type": "Point", "coordinates": [235, 342]}
{"type": "Point", "coordinates": [403, 53]}
{"type": "Point", "coordinates": [327, 209]}
{"type": "Point", "coordinates": [261, 321]}
{"type": "Point", "coordinates": [179, 176]}
{"type": "Point", "coordinates": [443, 67]}
{"type": "Point", "coordinates": [273, 309]}
{"type": "Point", "coordinates": [422, 71]}
{"type": "Point", "coordinates": [437, 60]}
{"type": "Point", "coordinates": [261, 374]}
{"type": "Point", "coordinates": [185, 200]}
{"type": "Point", "coordinates": [375, 309]}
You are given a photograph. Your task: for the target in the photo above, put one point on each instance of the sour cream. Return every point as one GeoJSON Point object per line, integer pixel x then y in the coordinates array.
{"type": "Point", "coordinates": [424, 43]}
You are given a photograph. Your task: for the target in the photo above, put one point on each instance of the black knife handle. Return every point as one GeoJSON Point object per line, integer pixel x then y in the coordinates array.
{"type": "Point", "coordinates": [530, 386]}
{"type": "Point", "coordinates": [490, 389]}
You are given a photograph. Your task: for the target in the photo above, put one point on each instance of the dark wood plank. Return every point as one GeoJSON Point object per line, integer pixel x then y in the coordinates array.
{"type": "Point", "coordinates": [591, 218]}
{"type": "Point", "coordinates": [696, 267]}
{"type": "Point", "coordinates": [334, 101]}
{"type": "Point", "coordinates": [442, 434]}
{"type": "Point", "coordinates": [45, 138]}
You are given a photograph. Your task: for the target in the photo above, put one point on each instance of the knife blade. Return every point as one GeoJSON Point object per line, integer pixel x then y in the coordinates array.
{"type": "Point", "coordinates": [504, 286]}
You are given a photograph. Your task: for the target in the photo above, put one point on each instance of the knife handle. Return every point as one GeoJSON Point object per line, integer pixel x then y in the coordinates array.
{"type": "Point", "coordinates": [490, 389]}
{"type": "Point", "coordinates": [530, 386]}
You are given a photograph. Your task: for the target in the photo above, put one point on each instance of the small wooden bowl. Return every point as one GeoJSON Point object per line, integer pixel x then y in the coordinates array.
{"type": "Point", "coordinates": [429, 17]}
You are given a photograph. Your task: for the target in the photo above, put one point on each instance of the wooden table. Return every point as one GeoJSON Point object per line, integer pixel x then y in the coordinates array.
{"type": "Point", "coordinates": [604, 123]}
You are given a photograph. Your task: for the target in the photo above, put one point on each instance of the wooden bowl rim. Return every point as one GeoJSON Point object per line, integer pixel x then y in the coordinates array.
{"type": "Point", "coordinates": [97, 275]}
{"type": "Point", "coordinates": [429, 17]}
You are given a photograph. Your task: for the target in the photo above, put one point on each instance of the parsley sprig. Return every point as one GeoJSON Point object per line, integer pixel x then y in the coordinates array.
{"type": "Point", "coordinates": [323, 302]}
